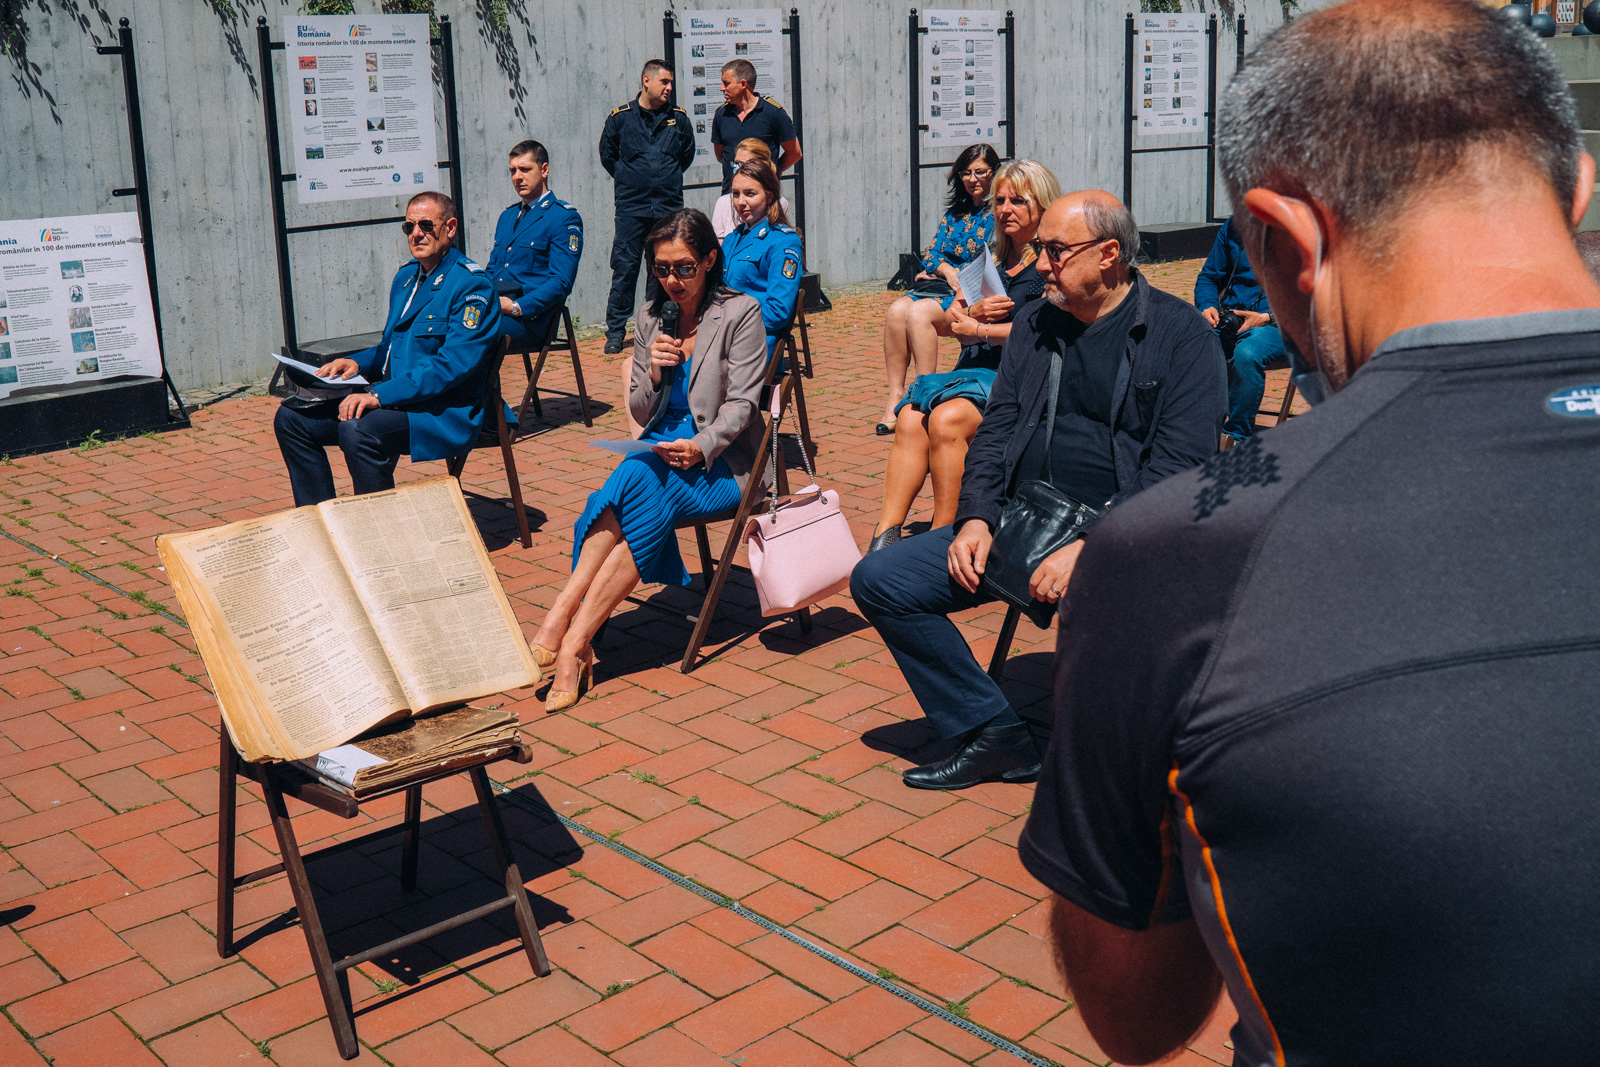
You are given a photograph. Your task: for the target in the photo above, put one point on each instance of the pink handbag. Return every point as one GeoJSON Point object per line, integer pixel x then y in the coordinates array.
{"type": "Point", "coordinates": [801, 550]}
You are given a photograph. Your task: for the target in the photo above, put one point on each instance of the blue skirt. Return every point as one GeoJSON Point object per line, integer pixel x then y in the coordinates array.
{"type": "Point", "coordinates": [649, 499]}
{"type": "Point", "coordinates": [945, 299]}
{"type": "Point", "coordinates": [931, 390]}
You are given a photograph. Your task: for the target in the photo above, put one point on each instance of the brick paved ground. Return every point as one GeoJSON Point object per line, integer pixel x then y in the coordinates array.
{"type": "Point", "coordinates": [768, 775]}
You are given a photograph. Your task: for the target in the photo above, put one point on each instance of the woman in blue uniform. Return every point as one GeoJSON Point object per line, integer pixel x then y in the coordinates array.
{"type": "Point", "coordinates": [696, 387]}
{"type": "Point", "coordinates": [763, 254]}
{"type": "Point", "coordinates": [915, 322]}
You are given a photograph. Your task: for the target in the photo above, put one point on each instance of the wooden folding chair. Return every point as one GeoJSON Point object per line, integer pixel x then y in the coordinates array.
{"type": "Point", "coordinates": [795, 358]}
{"type": "Point", "coordinates": [1282, 414]}
{"type": "Point", "coordinates": [1002, 645]}
{"type": "Point", "coordinates": [717, 577]}
{"type": "Point", "coordinates": [278, 780]}
{"type": "Point", "coordinates": [494, 402]}
{"type": "Point", "coordinates": [560, 336]}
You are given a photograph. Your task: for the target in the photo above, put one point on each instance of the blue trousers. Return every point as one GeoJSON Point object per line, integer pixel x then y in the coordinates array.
{"type": "Point", "coordinates": [1247, 378]}
{"type": "Point", "coordinates": [906, 591]}
{"type": "Point", "coordinates": [372, 445]}
{"type": "Point", "coordinates": [627, 247]}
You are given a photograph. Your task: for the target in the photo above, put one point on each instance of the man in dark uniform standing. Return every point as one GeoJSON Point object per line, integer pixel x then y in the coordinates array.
{"type": "Point", "coordinates": [747, 115]}
{"type": "Point", "coordinates": [537, 244]}
{"type": "Point", "coordinates": [646, 146]}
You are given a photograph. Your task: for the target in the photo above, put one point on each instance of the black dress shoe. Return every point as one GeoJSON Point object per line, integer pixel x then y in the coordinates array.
{"type": "Point", "coordinates": [993, 754]}
{"type": "Point", "coordinates": [884, 540]}
{"type": "Point", "coordinates": [884, 429]}
{"type": "Point", "coordinates": [613, 345]}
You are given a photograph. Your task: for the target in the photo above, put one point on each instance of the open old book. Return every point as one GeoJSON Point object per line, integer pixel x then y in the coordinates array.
{"type": "Point", "coordinates": [317, 624]}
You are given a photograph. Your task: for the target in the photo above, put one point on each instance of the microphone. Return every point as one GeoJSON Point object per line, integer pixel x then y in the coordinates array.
{"type": "Point", "coordinates": [670, 314]}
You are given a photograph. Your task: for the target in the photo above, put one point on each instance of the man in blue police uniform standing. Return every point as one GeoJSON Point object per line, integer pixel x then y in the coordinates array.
{"type": "Point", "coordinates": [747, 115]}
{"type": "Point", "coordinates": [537, 244]}
{"type": "Point", "coordinates": [646, 146]}
{"type": "Point", "coordinates": [428, 373]}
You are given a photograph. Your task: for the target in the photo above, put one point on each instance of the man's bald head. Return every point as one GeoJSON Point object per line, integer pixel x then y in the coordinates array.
{"type": "Point", "coordinates": [1099, 216]}
{"type": "Point", "coordinates": [1365, 105]}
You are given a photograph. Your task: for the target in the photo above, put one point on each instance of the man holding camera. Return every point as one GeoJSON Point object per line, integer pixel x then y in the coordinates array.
{"type": "Point", "coordinates": [1227, 294]}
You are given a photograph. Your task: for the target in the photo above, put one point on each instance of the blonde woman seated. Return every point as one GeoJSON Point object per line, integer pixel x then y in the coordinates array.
{"type": "Point", "coordinates": [697, 396]}
{"type": "Point", "coordinates": [724, 218]}
{"type": "Point", "coordinates": [916, 321]}
{"type": "Point", "coordinates": [939, 415]}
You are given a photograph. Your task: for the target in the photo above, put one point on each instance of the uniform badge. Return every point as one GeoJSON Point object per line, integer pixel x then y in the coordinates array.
{"type": "Point", "coordinates": [470, 316]}
{"type": "Point", "coordinates": [789, 267]}
{"type": "Point", "coordinates": [572, 241]}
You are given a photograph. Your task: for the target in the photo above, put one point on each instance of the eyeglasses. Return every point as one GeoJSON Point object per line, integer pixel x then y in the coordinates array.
{"type": "Point", "coordinates": [682, 270]}
{"type": "Point", "coordinates": [978, 175]}
{"type": "Point", "coordinates": [425, 225]}
{"type": "Point", "coordinates": [1059, 252]}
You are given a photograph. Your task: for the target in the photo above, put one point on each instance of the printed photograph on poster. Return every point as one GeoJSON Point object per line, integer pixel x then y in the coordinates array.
{"type": "Point", "coordinates": [962, 48]}
{"type": "Point", "coordinates": [349, 101]}
{"type": "Point", "coordinates": [712, 38]}
{"type": "Point", "coordinates": [1171, 73]}
{"type": "Point", "coordinates": [76, 302]}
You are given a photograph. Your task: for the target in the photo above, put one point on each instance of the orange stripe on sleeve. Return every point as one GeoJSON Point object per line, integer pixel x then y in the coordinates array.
{"type": "Point", "coordinates": [1222, 914]}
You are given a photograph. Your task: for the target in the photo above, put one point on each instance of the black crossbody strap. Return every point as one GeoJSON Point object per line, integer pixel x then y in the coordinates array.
{"type": "Point", "coordinates": [1051, 401]}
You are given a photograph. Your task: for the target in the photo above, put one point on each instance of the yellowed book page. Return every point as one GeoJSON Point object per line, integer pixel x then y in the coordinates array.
{"type": "Point", "coordinates": [417, 563]}
{"type": "Point", "coordinates": [289, 627]}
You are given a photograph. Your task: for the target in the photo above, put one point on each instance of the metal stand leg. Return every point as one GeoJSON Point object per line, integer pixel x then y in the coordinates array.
{"type": "Point", "coordinates": [1002, 645]}
{"type": "Point", "coordinates": [509, 871]}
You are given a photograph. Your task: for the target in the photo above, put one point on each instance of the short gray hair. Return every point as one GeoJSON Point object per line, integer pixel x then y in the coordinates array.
{"type": "Point", "coordinates": [1365, 106]}
{"type": "Point", "coordinates": [1108, 222]}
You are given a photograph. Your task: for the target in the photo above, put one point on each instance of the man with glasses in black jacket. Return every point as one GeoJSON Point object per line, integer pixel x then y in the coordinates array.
{"type": "Point", "coordinates": [1141, 395]}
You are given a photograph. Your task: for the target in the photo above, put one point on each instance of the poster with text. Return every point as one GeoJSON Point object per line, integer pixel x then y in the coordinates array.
{"type": "Point", "coordinates": [74, 301]}
{"type": "Point", "coordinates": [1169, 77]}
{"type": "Point", "coordinates": [712, 38]}
{"type": "Point", "coordinates": [963, 80]}
{"type": "Point", "coordinates": [360, 102]}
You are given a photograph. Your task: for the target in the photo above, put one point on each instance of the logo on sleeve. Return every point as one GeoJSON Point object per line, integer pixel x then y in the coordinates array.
{"type": "Point", "coordinates": [470, 316]}
{"type": "Point", "coordinates": [1242, 466]}
{"type": "Point", "coordinates": [572, 241]}
{"type": "Point", "coordinates": [1578, 401]}
{"type": "Point", "coordinates": [789, 268]}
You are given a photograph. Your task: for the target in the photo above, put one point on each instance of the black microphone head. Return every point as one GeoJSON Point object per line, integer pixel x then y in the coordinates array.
{"type": "Point", "coordinates": [670, 314]}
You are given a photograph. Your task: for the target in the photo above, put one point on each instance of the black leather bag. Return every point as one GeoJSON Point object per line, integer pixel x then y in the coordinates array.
{"type": "Point", "coordinates": [1037, 521]}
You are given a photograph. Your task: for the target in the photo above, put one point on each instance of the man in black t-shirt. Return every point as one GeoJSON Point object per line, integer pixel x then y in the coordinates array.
{"type": "Point", "coordinates": [1324, 728]}
{"type": "Point", "coordinates": [1142, 395]}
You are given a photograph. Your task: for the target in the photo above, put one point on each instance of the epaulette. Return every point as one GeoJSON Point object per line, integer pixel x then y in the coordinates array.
{"type": "Point", "coordinates": [564, 204]}
{"type": "Point", "coordinates": [470, 265]}
{"type": "Point", "coordinates": [624, 107]}
{"type": "Point", "coordinates": [773, 101]}
{"type": "Point", "coordinates": [781, 228]}
{"type": "Point", "coordinates": [680, 110]}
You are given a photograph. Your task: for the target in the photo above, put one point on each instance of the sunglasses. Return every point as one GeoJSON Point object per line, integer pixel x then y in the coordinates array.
{"type": "Point", "coordinates": [425, 225]}
{"type": "Point", "coordinates": [1059, 251]}
{"type": "Point", "coordinates": [682, 270]}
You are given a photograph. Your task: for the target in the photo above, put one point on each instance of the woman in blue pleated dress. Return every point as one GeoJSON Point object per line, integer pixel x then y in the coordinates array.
{"type": "Point", "coordinates": [696, 390]}
{"type": "Point", "coordinates": [915, 322]}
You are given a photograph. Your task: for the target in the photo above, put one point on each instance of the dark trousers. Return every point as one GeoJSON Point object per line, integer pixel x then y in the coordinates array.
{"type": "Point", "coordinates": [627, 247]}
{"type": "Point", "coordinates": [372, 445]}
{"type": "Point", "coordinates": [906, 591]}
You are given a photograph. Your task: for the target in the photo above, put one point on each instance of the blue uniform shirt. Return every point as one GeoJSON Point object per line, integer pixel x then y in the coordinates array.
{"type": "Point", "coordinates": [763, 261]}
{"type": "Point", "coordinates": [767, 122]}
{"type": "Point", "coordinates": [433, 360]}
{"type": "Point", "coordinates": [535, 260]}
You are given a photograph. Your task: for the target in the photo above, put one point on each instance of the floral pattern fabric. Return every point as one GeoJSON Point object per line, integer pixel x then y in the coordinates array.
{"type": "Point", "coordinates": [959, 240]}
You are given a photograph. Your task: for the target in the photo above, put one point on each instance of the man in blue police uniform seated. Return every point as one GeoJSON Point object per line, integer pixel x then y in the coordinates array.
{"type": "Point", "coordinates": [428, 373]}
{"type": "Point", "coordinates": [1227, 286]}
{"type": "Point", "coordinates": [537, 244]}
{"type": "Point", "coordinates": [646, 146]}
{"type": "Point", "coordinates": [747, 115]}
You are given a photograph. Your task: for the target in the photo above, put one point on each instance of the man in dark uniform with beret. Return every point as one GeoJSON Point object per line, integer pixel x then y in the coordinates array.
{"type": "Point", "coordinates": [646, 146]}
{"type": "Point", "coordinates": [747, 115]}
{"type": "Point", "coordinates": [428, 372]}
{"type": "Point", "coordinates": [537, 244]}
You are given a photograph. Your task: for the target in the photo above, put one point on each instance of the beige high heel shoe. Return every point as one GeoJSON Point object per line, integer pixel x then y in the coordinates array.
{"type": "Point", "coordinates": [541, 655]}
{"type": "Point", "coordinates": [562, 699]}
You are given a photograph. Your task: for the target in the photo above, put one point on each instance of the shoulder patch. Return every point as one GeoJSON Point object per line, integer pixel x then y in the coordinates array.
{"type": "Point", "coordinates": [471, 315]}
{"type": "Point", "coordinates": [573, 240]}
{"type": "Point", "coordinates": [791, 265]}
{"type": "Point", "coordinates": [773, 101]}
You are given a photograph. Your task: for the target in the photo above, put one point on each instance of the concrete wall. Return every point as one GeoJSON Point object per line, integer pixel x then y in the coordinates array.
{"type": "Point", "coordinates": [554, 75]}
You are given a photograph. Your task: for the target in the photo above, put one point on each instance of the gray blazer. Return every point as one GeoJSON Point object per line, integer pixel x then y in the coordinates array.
{"type": "Point", "coordinates": [729, 361]}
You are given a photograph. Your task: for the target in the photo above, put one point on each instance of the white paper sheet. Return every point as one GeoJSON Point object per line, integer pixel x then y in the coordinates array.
{"type": "Point", "coordinates": [626, 446]}
{"type": "Point", "coordinates": [309, 369]}
{"type": "Point", "coordinates": [342, 763]}
{"type": "Point", "coordinates": [981, 278]}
